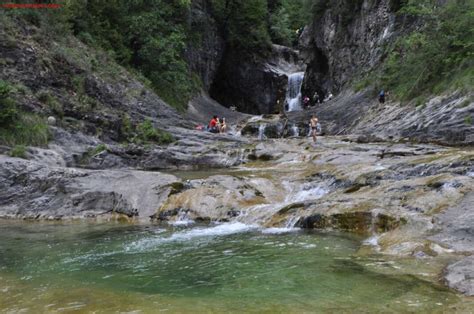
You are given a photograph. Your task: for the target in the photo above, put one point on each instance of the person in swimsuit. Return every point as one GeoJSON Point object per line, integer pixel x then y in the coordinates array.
{"type": "Point", "coordinates": [313, 124]}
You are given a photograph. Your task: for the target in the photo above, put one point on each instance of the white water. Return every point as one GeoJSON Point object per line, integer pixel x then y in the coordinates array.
{"type": "Point", "coordinates": [295, 131]}
{"type": "Point", "coordinates": [184, 236]}
{"type": "Point", "coordinates": [296, 193]}
{"type": "Point", "coordinates": [293, 92]}
{"type": "Point", "coordinates": [182, 220]}
{"type": "Point", "coordinates": [261, 132]}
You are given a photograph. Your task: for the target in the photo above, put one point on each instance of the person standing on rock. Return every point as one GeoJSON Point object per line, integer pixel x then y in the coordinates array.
{"type": "Point", "coordinates": [382, 96]}
{"type": "Point", "coordinates": [315, 99]}
{"type": "Point", "coordinates": [313, 124]}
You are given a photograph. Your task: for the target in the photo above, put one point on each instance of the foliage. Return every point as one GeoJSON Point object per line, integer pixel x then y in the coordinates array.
{"type": "Point", "coordinates": [29, 129]}
{"type": "Point", "coordinates": [52, 103]}
{"type": "Point", "coordinates": [98, 149]}
{"type": "Point", "coordinates": [146, 133]}
{"type": "Point", "coordinates": [243, 23]}
{"type": "Point", "coordinates": [18, 151]}
{"type": "Point", "coordinates": [147, 35]}
{"type": "Point", "coordinates": [18, 127]}
{"type": "Point", "coordinates": [250, 26]}
{"type": "Point", "coordinates": [468, 120]}
{"type": "Point", "coordinates": [437, 57]}
{"type": "Point", "coordinates": [8, 111]}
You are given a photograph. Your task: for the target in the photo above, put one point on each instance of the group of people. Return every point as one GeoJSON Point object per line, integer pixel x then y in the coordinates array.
{"type": "Point", "coordinates": [316, 100]}
{"type": "Point", "coordinates": [217, 125]}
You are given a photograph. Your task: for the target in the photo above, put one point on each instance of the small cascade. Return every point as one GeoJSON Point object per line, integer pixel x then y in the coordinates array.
{"type": "Point", "coordinates": [261, 132]}
{"type": "Point", "coordinates": [295, 131]}
{"type": "Point", "coordinates": [292, 222]}
{"type": "Point", "coordinates": [293, 92]}
{"type": "Point", "coordinates": [182, 219]}
{"type": "Point", "coordinates": [373, 240]}
{"type": "Point", "coordinates": [262, 213]}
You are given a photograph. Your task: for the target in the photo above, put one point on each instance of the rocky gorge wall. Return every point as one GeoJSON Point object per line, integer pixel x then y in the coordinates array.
{"type": "Point", "coordinates": [347, 39]}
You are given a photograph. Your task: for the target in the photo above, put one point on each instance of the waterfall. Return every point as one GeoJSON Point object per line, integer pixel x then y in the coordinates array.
{"type": "Point", "coordinates": [293, 92]}
{"type": "Point", "coordinates": [295, 131]}
{"type": "Point", "coordinates": [261, 132]}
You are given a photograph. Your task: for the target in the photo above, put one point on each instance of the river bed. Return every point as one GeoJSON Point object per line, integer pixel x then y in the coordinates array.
{"type": "Point", "coordinates": [230, 267]}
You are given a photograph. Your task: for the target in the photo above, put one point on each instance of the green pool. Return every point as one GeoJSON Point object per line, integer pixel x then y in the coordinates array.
{"type": "Point", "coordinates": [66, 267]}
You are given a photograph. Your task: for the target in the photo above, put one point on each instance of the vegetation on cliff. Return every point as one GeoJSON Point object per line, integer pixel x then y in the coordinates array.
{"type": "Point", "coordinates": [16, 126]}
{"type": "Point", "coordinates": [436, 57]}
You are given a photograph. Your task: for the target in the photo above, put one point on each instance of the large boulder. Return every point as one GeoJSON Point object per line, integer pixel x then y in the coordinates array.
{"type": "Point", "coordinates": [37, 191]}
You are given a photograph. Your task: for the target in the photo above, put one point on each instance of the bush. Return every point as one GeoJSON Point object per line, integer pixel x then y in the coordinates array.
{"type": "Point", "coordinates": [8, 110]}
{"type": "Point", "coordinates": [29, 129]}
{"type": "Point", "coordinates": [146, 133]}
{"type": "Point", "coordinates": [18, 127]}
{"type": "Point", "coordinates": [468, 120]}
{"type": "Point", "coordinates": [437, 57]}
{"type": "Point", "coordinates": [52, 103]}
{"type": "Point", "coordinates": [18, 151]}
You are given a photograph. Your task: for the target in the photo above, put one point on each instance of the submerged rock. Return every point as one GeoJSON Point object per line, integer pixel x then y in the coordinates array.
{"type": "Point", "coordinates": [460, 275]}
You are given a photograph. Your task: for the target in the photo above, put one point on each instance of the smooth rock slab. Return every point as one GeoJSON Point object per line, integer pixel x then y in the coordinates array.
{"type": "Point", "coordinates": [36, 191]}
{"type": "Point", "coordinates": [460, 276]}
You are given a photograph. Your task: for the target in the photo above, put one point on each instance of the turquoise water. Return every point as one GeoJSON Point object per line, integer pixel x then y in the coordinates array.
{"type": "Point", "coordinates": [220, 268]}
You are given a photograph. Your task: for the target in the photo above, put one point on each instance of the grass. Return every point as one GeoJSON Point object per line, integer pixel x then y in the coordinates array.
{"type": "Point", "coordinates": [18, 151]}
{"type": "Point", "coordinates": [147, 133]}
{"type": "Point", "coordinates": [52, 103]}
{"type": "Point", "coordinates": [468, 120]}
{"type": "Point", "coordinates": [29, 129]}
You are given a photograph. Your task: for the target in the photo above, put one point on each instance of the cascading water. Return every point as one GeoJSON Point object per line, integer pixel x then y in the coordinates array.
{"type": "Point", "coordinates": [293, 92]}
{"type": "Point", "coordinates": [295, 131]}
{"type": "Point", "coordinates": [261, 132]}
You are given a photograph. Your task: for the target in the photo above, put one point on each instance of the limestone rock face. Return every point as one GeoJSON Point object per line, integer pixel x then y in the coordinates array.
{"type": "Point", "coordinates": [257, 85]}
{"type": "Point", "coordinates": [204, 55]}
{"type": "Point", "coordinates": [36, 191]}
{"type": "Point", "coordinates": [443, 119]}
{"type": "Point", "coordinates": [345, 40]}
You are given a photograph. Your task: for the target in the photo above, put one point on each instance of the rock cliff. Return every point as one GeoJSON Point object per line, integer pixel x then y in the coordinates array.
{"type": "Point", "coordinates": [346, 39]}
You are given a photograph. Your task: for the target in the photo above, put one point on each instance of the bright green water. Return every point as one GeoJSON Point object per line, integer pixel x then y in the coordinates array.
{"type": "Point", "coordinates": [226, 268]}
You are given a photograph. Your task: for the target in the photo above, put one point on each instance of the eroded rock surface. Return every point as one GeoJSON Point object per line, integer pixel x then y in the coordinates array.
{"type": "Point", "coordinates": [36, 191]}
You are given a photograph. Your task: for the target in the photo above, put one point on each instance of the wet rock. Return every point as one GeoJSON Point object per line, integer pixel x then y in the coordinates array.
{"type": "Point", "coordinates": [460, 276]}
{"type": "Point", "coordinates": [384, 223]}
{"type": "Point", "coordinates": [314, 222]}
{"type": "Point", "coordinates": [255, 85]}
{"type": "Point", "coordinates": [357, 222]}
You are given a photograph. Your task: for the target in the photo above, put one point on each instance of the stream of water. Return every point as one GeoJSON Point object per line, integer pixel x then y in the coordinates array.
{"type": "Point", "coordinates": [234, 267]}
{"type": "Point", "coordinates": [293, 92]}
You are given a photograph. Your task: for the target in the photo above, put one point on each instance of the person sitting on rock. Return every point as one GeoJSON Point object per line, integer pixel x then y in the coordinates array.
{"type": "Point", "coordinates": [223, 125]}
{"type": "Point", "coordinates": [306, 102]}
{"type": "Point", "coordinates": [213, 125]}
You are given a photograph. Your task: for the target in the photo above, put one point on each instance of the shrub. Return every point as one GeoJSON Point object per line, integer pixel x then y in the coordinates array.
{"type": "Point", "coordinates": [18, 127]}
{"type": "Point", "coordinates": [436, 57]}
{"type": "Point", "coordinates": [29, 129]}
{"type": "Point", "coordinates": [18, 151]}
{"type": "Point", "coordinates": [8, 110]}
{"type": "Point", "coordinates": [146, 133]}
{"type": "Point", "coordinates": [468, 120]}
{"type": "Point", "coordinates": [98, 149]}
{"type": "Point", "coordinates": [52, 103]}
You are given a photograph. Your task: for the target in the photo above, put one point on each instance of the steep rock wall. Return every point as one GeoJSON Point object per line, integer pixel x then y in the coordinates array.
{"type": "Point", "coordinates": [204, 51]}
{"type": "Point", "coordinates": [255, 85]}
{"type": "Point", "coordinates": [346, 39]}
